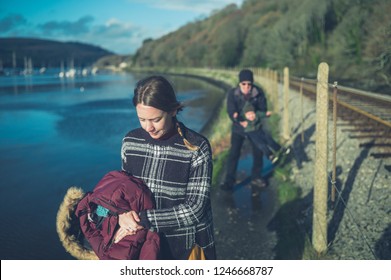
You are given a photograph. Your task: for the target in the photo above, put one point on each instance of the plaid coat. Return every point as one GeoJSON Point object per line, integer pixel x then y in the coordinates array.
{"type": "Point", "coordinates": [180, 181]}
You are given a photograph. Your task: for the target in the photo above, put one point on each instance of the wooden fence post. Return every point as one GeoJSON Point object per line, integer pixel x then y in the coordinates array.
{"type": "Point", "coordinates": [276, 99]}
{"type": "Point", "coordinates": [285, 123]}
{"type": "Point", "coordinates": [319, 222]}
{"type": "Point", "coordinates": [269, 90]}
{"type": "Point", "coordinates": [334, 176]}
{"type": "Point", "coordinates": [302, 110]}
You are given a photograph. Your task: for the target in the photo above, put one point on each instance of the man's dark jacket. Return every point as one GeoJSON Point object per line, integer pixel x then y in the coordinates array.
{"type": "Point", "coordinates": [235, 103]}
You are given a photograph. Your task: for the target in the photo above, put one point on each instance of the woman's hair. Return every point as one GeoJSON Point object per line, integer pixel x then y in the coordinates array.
{"type": "Point", "coordinates": [157, 92]}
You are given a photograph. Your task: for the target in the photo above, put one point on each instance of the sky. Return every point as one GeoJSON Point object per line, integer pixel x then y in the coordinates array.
{"type": "Point", "coordinates": [119, 26]}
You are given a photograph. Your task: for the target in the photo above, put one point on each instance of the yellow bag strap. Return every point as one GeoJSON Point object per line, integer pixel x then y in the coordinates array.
{"type": "Point", "coordinates": [197, 253]}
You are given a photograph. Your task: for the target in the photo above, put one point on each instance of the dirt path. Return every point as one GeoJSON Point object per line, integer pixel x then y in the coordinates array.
{"type": "Point", "coordinates": [242, 217]}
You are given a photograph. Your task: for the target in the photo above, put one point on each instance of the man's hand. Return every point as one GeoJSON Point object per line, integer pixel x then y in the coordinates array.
{"type": "Point", "coordinates": [244, 124]}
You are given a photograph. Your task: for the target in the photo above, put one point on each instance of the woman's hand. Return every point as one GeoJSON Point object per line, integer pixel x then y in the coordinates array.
{"type": "Point", "coordinates": [121, 233]}
{"type": "Point", "coordinates": [128, 223]}
{"type": "Point", "coordinates": [129, 220]}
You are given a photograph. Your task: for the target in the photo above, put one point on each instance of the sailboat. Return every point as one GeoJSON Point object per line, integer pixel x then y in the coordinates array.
{"type": "Point", "coordinates": [72, 71]}
{"type": "Point", "coordinates": [62, 73]}
{"type": "Point", "coordinates": [1, 68]}
{"type": "Point", "coordinates": [28, 66]}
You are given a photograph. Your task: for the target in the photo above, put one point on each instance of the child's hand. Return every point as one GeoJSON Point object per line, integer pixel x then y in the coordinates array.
{"type": "Point", "coordinates": [268, 113]}
{"type": "Point", "coordinates": [235, 115]}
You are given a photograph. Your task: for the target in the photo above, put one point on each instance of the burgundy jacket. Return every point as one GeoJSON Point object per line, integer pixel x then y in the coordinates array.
{"type": "Point", "coordinates": [119, 193]}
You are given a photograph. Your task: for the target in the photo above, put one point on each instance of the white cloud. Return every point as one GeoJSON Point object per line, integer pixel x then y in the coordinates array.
{"type": "Point", "coordinates": [81, 26]}
{"type": "Point", "coordinates": [11, 22]}
{"type": "Point", "coordinates": [199, 6]}
{"type": "Point", "coordinates": [121, 37]}
{"type": "Point", "coordinates": [114, 35]}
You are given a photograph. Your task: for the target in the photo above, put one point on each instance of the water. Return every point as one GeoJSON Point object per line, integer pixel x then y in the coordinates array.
{"type": "Point", "coordinates": [56, 133]}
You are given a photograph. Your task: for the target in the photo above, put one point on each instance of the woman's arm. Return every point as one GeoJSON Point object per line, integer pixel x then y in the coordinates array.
{"type": "Point", "coordinates": [196, 200]}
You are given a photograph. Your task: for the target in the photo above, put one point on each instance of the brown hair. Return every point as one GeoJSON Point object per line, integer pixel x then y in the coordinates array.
{"type": "Point", "coordinates": [157, 92]}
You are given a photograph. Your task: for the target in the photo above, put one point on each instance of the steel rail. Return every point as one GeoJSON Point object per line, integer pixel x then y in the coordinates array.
{"type": "Point", "coordinates": [310, 86]}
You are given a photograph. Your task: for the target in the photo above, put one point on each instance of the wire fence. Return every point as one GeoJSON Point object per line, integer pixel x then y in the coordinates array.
{"type": "Point", "coordinates": [373, 107]}
{"type": "Point", "coordinates": [365, 111]}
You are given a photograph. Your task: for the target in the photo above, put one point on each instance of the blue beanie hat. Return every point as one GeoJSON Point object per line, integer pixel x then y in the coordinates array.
{"type": "Point", "coordinates": [246, 75]}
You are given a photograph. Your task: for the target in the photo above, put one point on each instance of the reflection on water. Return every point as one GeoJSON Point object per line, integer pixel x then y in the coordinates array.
{"type": "Point", "coordinates": [248, 199]}
{"type": "Point", "coordinates": [56, 133]}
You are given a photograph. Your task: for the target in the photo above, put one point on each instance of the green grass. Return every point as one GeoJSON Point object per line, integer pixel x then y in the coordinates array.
{"type": "Point", "coordinates": [218, 167]}
{"type": "Point", "coordinates": [286, 189]}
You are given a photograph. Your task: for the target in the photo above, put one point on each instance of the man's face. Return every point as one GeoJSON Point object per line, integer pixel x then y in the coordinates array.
{"type": "Point", "coordinates": [245, 86]}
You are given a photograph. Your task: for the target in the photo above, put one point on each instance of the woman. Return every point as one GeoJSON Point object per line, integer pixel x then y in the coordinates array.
{"type": "Point", "coordinates": [175, 163]}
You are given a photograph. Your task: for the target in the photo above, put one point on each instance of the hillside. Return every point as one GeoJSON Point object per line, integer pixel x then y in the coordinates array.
{"type": "Point", "coordinates": [48, 53]}
{"type": "Point", "coordinates": [352, 36]}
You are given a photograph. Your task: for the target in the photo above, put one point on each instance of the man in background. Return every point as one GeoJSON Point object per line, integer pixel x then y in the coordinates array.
{"type": "Point", "coordinates": [237, 97]}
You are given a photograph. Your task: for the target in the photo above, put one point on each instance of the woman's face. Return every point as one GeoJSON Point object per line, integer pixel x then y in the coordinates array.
{"type": "Point", "coordinates": [154, 121]}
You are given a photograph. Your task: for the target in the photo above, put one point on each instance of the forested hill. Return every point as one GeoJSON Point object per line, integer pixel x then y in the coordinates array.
{"type": "Point", "coordinates": [352, 36]}
{"type": "Point", "coordinates": [48, 53]}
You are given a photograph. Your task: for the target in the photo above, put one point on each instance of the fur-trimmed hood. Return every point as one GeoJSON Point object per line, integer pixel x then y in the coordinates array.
{"type": "Point", "coordinates": [87, 234]}
{"type": "Point", "coordinates": [68, 228]}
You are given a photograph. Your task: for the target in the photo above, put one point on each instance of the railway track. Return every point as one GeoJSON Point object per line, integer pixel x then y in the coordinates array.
{"type": "Point", "coordinates": [365, 116]}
